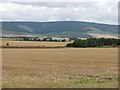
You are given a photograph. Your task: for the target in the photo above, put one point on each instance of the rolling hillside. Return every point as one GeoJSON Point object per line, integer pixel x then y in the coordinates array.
{"type": "Point", "coordinates": [60, 28]}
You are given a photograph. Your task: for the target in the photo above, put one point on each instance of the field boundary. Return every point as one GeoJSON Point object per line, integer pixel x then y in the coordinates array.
{"type": "Point", "coordinates": [30, 47]}
{"type": "Point", "coordinates": [38, 47]}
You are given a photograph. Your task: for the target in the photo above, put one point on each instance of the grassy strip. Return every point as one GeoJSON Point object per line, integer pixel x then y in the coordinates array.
{"type": "Point", "coordinates": [58, 82]}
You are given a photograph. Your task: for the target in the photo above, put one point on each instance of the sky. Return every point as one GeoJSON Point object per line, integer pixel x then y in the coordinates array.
{"type": "Point", "coordinates": [99, 11]}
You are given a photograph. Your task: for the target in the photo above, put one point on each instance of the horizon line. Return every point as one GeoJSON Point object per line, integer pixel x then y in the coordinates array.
{"type": "Point", "coordinates": [57, 21]}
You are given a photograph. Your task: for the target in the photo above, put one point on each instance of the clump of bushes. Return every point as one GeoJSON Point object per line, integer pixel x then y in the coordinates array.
{"type": "Point", "coordinates": [95, 42]}
{"type": "Point", "coordinates": [7, 44]}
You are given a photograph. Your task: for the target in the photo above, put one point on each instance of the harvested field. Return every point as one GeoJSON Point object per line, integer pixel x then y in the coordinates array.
{"type": "Point", "coordinates": [12, 42]}
{"type": "Point", "coordinates": [103, 35]}
{"type": "Point", "coordinates": [60, 68]}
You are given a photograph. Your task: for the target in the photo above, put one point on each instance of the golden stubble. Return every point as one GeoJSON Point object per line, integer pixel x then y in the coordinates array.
{"type": "Point", "coordinates": [60, 68]}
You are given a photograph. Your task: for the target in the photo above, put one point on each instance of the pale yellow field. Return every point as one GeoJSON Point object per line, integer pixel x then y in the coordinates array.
{"type": "Point", "coordinates": [60, 68]}
{"type": "Point", "coordinates": [0, 68]}
{"type": "Point", "coordinates": [32, 43]}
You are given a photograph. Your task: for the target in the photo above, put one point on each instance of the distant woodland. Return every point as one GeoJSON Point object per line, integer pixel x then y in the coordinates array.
{"type": "Point", "coordinates": [94, 42]}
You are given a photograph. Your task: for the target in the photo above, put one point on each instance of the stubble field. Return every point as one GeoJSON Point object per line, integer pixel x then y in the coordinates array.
{"type": "Point", "coordinates": [60, 68]}
{"type": "Point", "coordinates": [13, 42]}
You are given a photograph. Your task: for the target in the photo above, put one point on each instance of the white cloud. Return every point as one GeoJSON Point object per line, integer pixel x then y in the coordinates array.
{"type": "Point", "coordinates": [103, 12]}
{"type": "Point", "coordinates": [59, 0]}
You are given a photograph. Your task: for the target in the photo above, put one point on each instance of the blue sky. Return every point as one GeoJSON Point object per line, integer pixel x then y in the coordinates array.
{"type": "Point", "coordinates": [100, 11]}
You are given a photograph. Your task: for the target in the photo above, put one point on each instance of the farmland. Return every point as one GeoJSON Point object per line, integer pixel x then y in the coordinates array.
{"type": "Point", "coordinates": [13, 42]}
{"type": "Point", "coordinates": [60, 68]}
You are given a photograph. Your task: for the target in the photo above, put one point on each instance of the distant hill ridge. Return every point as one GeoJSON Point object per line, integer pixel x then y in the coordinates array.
{"type": "Point", "coordinates": [59, 28]}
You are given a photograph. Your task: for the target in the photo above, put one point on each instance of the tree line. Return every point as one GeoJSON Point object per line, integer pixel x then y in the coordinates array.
{"type": "Point", "coordinates": [37, 39]}
{"type": "Point", "coordinates": [95, 42]}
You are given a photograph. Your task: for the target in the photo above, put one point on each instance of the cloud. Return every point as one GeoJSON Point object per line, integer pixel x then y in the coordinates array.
{"type": "Point", "coordinates": [59, 0]}
{"type": "Point", "coordinates": [102, 12]}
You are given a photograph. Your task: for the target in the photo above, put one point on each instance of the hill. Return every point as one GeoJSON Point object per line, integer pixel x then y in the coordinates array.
{"type": "Point", "coordinates": [60, 28]}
